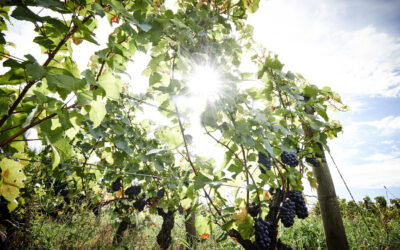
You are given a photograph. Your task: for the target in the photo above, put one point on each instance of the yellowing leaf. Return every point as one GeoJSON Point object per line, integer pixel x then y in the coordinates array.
{"type": "Point", "coordinates": [120, 193]}
{"type": "Point", "coordinates": [77, 40]}
{"type": "Point", "coordinates": [22, 156]}
{"type": "Point", "coordinates": [239, 217]}
{"type": "Point", "coordinates": [12, 205]}
{"type": "Point", "coordinates": [11, 179]}
{"type": "Point", "coordinates": [267, 196]}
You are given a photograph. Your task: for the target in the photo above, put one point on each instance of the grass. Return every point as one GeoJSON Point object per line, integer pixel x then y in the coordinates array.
{"type": "Point", "coordinates": [84, 231]}
{"type": "Point", "coordinates": [309, 234]}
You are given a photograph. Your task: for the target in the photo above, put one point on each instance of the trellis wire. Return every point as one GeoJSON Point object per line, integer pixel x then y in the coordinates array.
{"type": "Point", "coordinates": [125, 172]}
{"type": "Point", "coordinates": [348, 189]}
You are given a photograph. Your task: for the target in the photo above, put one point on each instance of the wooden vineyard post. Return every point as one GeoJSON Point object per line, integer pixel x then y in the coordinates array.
{"type": "Point", "coordinates": [335, 235]}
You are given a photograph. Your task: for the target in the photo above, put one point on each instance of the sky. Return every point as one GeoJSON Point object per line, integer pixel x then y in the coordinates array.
{"type": "Point", "coordinates": [351, 46]}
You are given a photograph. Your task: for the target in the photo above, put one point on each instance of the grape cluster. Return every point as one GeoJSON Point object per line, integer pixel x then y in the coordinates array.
{"type": "Point", "coordinates": [264, 161]}
{"type": "Point", "coordinates": [262, 227]}
{"type": "Point", "coordinates": [288, 212]}
{"type": "Point", "coordinates": [139, 204]}
{"type": "Point", "coordinates": [297, 198]}
{"type": "Point", "coordinates": [133, 191]}
{"type": "Point", "coordinates": [254, 209]}
{"type": "Point", "coordinates": [116, 185]}
{"type": "Point", "coordinates": [160, 193]}
{"type": "Point", "coordinates": [289, 158]}
{"type": "Point", "coordinates": [312, 160]}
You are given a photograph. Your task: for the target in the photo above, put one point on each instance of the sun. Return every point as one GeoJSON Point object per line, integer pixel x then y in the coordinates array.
{"type": "Point", "coordinates": [205, 82]}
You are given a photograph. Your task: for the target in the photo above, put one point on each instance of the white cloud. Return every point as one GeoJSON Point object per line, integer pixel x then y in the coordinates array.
{"type": "Point", "coordinates": [387, 125]}
{"type": "Point", "coordinates": [370, 175]}
{"type": "Point", "coordinates": [388, 142]}
{"type": "Point", "coordinates": [379, 157]}
{"type": "Point", "coordinates": [308, 38]}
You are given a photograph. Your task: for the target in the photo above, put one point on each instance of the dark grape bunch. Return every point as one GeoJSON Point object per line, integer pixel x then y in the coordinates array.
{"type": "Point", "coordinates": [254, 209]}
{"type": "Point", "coordinates": [289, 158]}
{"type": "Point", "coordinates": [262, 227]}
{"type": "Point", "coordinates": [288, 212]}
{"type": "Point", "coordinates": [133, 191]}
{"type": "Point", "coordinates": [312, 160]}
{"type": "Point", "coordinates": [160, 193]}
{"type": "Point", "coordinates": [265, 161]}
{"type": "Point", "coordinates": [139, 204]}
{"type": "Point", "coordinates": [297, 198]}
{"type": "Point", "coordinates": [116, 185]}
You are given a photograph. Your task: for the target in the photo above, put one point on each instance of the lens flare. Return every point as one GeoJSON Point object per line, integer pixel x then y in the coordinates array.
{"type": "Point", "coordinates": [205, 82]}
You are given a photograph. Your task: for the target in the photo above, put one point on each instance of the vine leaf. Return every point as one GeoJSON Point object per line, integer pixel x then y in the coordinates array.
{"type": "Point", "coordinates": [63, 149]}
{"type": "Point", "coordinates": [56, 159]}
{"type": "Point", "coordinates": [11, 180]}
{"type": "Point", "coordinates": [269, 148]}
{"type": "Point", "coordinates": [23, 13]}
{"type": "Point", "coordinates": [202, 225]}
{"type": "Point", "coordinates": [201, 180]}
{"type": "Point", "coordinates": [97, 112]}
{"type": "Point", "coordinates": [35, 70]}
{"type": "Point", "coordinates": [240, 217]}
{"type": "Point", "coordinates": [111, 85]}
{"type": "Point", "coordinates": [22, 156]}
{"type": "Point", "coordinates": [245, 228]}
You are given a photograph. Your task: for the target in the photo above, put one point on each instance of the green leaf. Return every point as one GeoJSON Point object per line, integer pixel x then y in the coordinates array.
{"type": "Point", "coordinates": [25, 14]}
{"type": "Point", "coordinates": [44, 42]}
{"type": "Point", "coordinates": [246, 228]}
{"type": "Point", "coordinates": [4, 105]}
{"type": "Point", "coordinates": [154, 78]}
{"type": "Point", "coordinates": [108, 156]}
{"type": "Point", "coordinates": [51, 129]}
{"type": "Point", "coordinates": [310, 91]}
{"type": "Point", "coordinates": [85, 97]}
{"type": "Point", "coordinates": [57, 24]}
{"type": "Point", "coordinates": [55, 160]}
{"type": "Point", "coordinates": [40, 96]}
{"type": "Point", "coordinates": [111, 85]}
{"type": "Point", "coordinates": [35, 71]}
{"type": "Point", "coordinates": [63, 148]}
{"type": "Point", "coordinates": [98, 9]}
{"type": "Point", "coordinates": [144, 26]}
{"type": "Point", "coordinates": [268, 148]}
{"type": "Point", "coordinates": [119, 8]}
{"type": "Point", "coordinates": [228, 225]}
{"type": "Point", "coordinates": [201, 180]}
{"type": "Point", "coordinates": [97, 112]}
{"type": "Point", "coordinates": [18, 145]}
{"type": "Point", "coordinates": [50, 4]}
{"type": "Point", "coordinates": [202, 225]}
{"type": "Point", "coordinates": [65, 82]}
